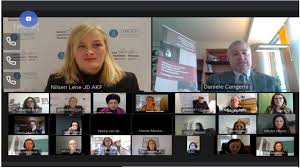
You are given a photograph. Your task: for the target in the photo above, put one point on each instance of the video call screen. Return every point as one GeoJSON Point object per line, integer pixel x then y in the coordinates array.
{"type": "Point", "coordinates": [140, 83]}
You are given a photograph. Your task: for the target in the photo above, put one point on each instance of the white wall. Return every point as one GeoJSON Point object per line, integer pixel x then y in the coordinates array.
{"type": "Point", "coordinates": [181, 121]}
{"type": "Point", "coordinates": [62, 99]}
{"type": "Point", "coordinates": [227, 121]}
{"type": "Point", "coordinates": [20, 97]}
{"type": "Point", "coordinates": [223, 99]}
{"type": "Point", "coordinates": [99, 100]}
{"type": "Point", "coordinates": [165, 142]}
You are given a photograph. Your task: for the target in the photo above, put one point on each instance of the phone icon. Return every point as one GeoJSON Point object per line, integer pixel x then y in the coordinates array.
{"type": "Point", "coordinates": [8, 59]}
{"type": "Point", "coordinates": [10, 42]}
{"type": "Point", "coordinates": [9, 80]}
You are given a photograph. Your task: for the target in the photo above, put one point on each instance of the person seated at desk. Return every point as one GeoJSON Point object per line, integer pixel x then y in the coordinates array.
{"type": "Point", "coordinates": [234, 106]}
{"type": "Point", "coordinates": [200, 105]}
{"type": "Point", "coordinates": [150, 105]}
{"type": "Point", "coordinates": [29, 145]}
{"type": "Point", "coordinates": [73, 108]}
{"type": "Point", "coordinates": [113, 101]}
{"type": "Point", "coordinates": [74, 129]}
{"type": "Point", "coordinates": [278, 105]}
{"type": "Point", "coordinates": [89, 61]}
{"type": "Point", "coordinates": [107, 148]}
{"type": "Point", "coordinates": [278, 149]}
{"type": "Point", "coordinates": [240, 59]}
{"type": "Point", "coordinates": [72, 148]}
{"type": "Point", "coordinates": [30, 106]}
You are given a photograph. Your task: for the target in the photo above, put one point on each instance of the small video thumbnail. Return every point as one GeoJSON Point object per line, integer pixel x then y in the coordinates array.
{"type": "Point", "coordinates": [276, 103]}
{"type": "Point", "coordinates": [275, 146]}
{"type": "Point", "coordinates": [152, 145]}
{"type": "Point", "coordinates": [109, 103]}
{"type": "Point", "coordinates": [197, 103]}
{"type": "Point", "coordinates": [110, 145]}
{"type": "Point", "coordinates": [188, 125]}
{"type": "Point", "coordinates": [68, 125]}
{"type": "Point", "coordinates": [193, 145]}
{"type": "Point", "coordinates": [110, 125]}
{"type": "Point", "coordinates": [152, 124]}
{"type": "Point", "coordinates": [237, 103]}
{"type": "Point", "coordinates": [152, 103]}
{"type": "Point", "coordinates": [237, 124]}
{"type": "Point", "coordinates": [28, 103]}
{"type": "Point", "coordinates": [27, 145]}
{"type": "Point", "coordinates": [68, 145]}
{"type": "Point", "coordinates": [276, 124]}
{"type": "Point", "coordinates": [29, 125]}
{"type": "Point", "coordinates": [234, 144]}
{"type": "Point", "coordinates": [70, 103]}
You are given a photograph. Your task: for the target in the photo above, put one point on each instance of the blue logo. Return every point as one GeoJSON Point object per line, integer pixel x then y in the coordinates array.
{"type": "Point", "coordinates": [113, 33]}
{"type": "Point", "coordinates": [28, 18]}
{"type": "Point", "coordinates": [61, 55]}
{"type": "Point", "coordinates": [17, 75]}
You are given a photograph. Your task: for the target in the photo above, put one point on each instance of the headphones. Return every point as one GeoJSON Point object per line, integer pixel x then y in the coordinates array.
{"type": "Point", "coordinates": [196, 146]}
{"type": "Point", "coordinates": [28, 140]}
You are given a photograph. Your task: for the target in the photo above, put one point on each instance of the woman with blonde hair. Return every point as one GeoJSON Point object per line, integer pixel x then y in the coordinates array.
{"type": "Point", "coordinates": [89, 61]}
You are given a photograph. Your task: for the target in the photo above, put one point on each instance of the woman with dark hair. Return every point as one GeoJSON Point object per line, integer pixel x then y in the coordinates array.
{"type": "Point", "coordinates": [199, 129]}
{"type": "Point", "coordinates": [151, 145]}
{"type": "Point", "coordinates": [107, 148]}
{"type": "Point", "coordinates": [31, 106]}
{"type": "Point", "coordinates": [74, 129]}
{"type": "Point", "coordinates": [235, 146]}
{"type": "Point", "coordinates": [239, 127]}
{"type": "Point", "coordinates": [278, 105]}
{"type": "Point", "coordinates": [29, 145]}
{"type": "Point", "coordinates": [280, 125]}
{"type": "Point", "coordinates": [278, 149]}
{"type": "Point", "coordinates": [112, 101]}
{"type": "Point", "coordinates": [193, 148]}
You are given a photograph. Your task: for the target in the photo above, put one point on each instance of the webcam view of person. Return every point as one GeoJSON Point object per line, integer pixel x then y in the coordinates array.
{"type": "Point", "coordinates": [240, 59]}
{"type": "Point", "coordinates": [73, 108]}
{"type": "Point", "coordinates": [280, 125]}
{"type": "Point", "coordinates": [200, 105]}
{"type": "Point", "coordinates": [72, 148]}
{"type": "Point", "coordinates": [107, 148]}
{"type": "Point", "coordinates": [199, 129]}
{"type": "Point", "coordinates": [235, 146]}
{"type": "Point", "coordinates": [193, 148]}
{"type": "Point", "coordinates": [29, 148]}
{"type": "Point", "coordinates": [33, 128]}
{"type": "Point", "coordinates": [113, 101]}
{"type": "Point", "coordinates": [278, 149]}
{"type": "Point", "coordinates": [278, 105]}
{"type": "Point", "coordinates": [89, 61]}
{"type": "Point", "coordinates": [74, 129]}
{"type": "Point", "coordinates": [239, 127]}
{"type": "Point", "coordinates": [150, 105]}
{"type": "Point", "coordinates": [151, 145]}
{"type": "Point", "coordinates": [31, 106]}
{"type": "Point", "coordinates": [234, 106]}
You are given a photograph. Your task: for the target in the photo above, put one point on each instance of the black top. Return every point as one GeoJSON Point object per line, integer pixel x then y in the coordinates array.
{"type": "Point", "coordinates": [127, 84]}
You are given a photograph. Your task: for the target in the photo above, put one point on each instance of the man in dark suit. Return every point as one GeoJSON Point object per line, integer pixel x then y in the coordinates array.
{"type": "Point", "coordinates": [239, 56]}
